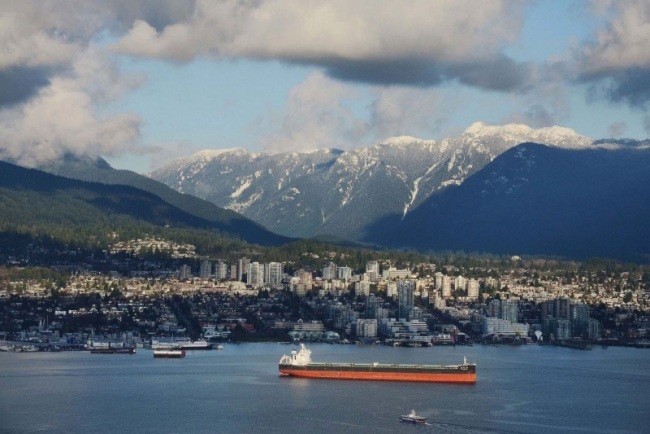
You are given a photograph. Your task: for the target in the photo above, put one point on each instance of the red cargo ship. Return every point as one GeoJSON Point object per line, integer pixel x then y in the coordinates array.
{"type": "Point", "coordinates": [299, 364]}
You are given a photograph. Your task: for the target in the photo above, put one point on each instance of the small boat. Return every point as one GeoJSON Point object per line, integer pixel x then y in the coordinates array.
{"type": "Point", "coordinates": [412, 418]}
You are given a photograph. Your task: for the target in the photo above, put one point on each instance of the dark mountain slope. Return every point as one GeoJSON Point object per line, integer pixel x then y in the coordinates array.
{"type": "Point", "coordinates": [35, 199]}
{"type": "Point", "coordinates": [98, 170]}
{"type": "Point", "coordinates": [535, 199]}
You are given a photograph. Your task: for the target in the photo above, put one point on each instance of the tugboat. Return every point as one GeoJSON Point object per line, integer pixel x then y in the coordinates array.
{"type": "Point", "coordinates": [412, 418]}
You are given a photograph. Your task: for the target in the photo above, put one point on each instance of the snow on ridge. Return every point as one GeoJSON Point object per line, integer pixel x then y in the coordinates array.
{"type": "Point", "coordinates": [406, 140]}
{"type": "Point", "coordinates": [552, 136]}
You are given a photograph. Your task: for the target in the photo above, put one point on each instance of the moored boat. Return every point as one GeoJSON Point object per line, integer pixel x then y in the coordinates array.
{"type": "Point", "coordinates": [201, 344]}
{"type": "Point", "coordinates": [112, 351]}
{"type": "Point", "coordinates": [412, 418]}
{"type": "Point", "coordinates": [299, 364]}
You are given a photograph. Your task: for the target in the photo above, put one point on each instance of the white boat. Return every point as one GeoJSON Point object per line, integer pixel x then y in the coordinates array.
{"type": "Point", "coordinates": [201, 344]}
{"type": "Point", "coordinates": [412, 418]}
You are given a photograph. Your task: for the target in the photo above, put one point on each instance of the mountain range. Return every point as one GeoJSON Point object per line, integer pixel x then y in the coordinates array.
{"type": "Point", "coordinates": [505, 190]}
{"type": "Point", "coordinates": [536, 199]}
{"type": "Point", "coordinates": [342, 193]}
{"type": "Point", "coordinates": [481, 191]}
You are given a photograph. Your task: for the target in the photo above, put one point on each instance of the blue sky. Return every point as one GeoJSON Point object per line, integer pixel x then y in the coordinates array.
{"type": "Point", "coordinates": [143, 82]}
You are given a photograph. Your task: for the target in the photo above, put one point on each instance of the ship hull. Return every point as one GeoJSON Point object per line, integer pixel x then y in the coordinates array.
{"type": "Point", "coordinates": [463, 374]}
{"type": "Point", "coordinates": [168, 354]}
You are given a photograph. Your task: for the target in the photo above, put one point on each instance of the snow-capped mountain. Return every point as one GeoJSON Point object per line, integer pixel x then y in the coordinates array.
{"type": "Point", "coordinates": [342, 193]}
{"type": "Point", "coordinates": [536, 199]}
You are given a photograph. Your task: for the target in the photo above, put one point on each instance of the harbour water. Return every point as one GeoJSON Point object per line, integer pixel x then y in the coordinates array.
{"type": "Point", "coordinates": [524, 389]}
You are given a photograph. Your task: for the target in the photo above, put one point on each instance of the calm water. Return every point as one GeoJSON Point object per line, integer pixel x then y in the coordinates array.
{"type": "Point", "coordinates": [527, 389]}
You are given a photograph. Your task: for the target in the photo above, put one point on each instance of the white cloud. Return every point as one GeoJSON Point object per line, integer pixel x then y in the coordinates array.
{"type": "Point", "coordinates": [61, 117]}
{"type": "Point", "coordinates": [379, 41]}
{"type": "Point", "coordinates": [616, 63]}
{"type": "Point", "coordinates": [315, 116]}
{"type": "Point", "coordinates": [623, 42]}
{"type": "Point", "coordinates": [400, 111]}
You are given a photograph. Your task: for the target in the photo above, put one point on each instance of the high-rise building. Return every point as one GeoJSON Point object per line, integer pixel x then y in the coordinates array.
{"type": "Point", "coordinates": [255, 275]}
{"type": "Point", "coordinates": [372, 270]}
{"type": "Point", "coordinates": [494, 308]}
{"type": "Point", "coordinates": [344, 273]}
{"type": "Point", "coordinates": [563, 329]}
{"type": "Point", "coordinates": [594, 329]}
{"type": "Point", "coordinates": [445, 286]}
{"type": "Point", "coordinates": [233, 272]}
{"type": "Point", "coordinates": [366, 328]}
{"type": "Point", "coordinates": [472, 289]}
{"type": "Point", "coordinates": [329, 273]}
{"type": "Point", "coordinates": [459, 283]}
{"type": "Point", "coordinates": [372, 267]}
{"type": "Point", "coordinates": [275, 274]}
{"type": "Point", "coordinates": [438, 280]}
{"type": "Point", "coordinates": [579, 319]}
{"type": "Point", "coordinates": [405, 289]}
{"type": "Point", "coordinates": [242, 269]}
{"type": "Point", "coordinates": [509, 310]}
{"type": "Point", "coordinates": [221, 270]}
{"type": "Point", "coordinates": [205, 270]}
{"type": "Point", "coordinates": [562, 308]}
{"type": "Point", "coordinates": [185, 272]}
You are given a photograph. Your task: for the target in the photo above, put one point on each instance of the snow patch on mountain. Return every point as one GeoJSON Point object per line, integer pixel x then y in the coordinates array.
{"type": "Point", "coordinates": [243, 187]}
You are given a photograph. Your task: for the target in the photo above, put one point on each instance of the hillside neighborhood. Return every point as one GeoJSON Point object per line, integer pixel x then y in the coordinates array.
{"type": "Point", "coordinates": [512, 300]}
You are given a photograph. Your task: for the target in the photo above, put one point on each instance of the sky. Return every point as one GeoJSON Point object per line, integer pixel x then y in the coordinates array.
{"type": "Point", "coordinates": [143, 82]}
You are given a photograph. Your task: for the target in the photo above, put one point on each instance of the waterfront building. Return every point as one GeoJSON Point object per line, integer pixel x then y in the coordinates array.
{"type": "Point", "coordinates": [366, 328]}
{"type": "Point", "coordinates": [562, 329]}
{"type": "Point", "coordinates": [579, 319]}
{"type": "Point", "coordinates": [494, 308]}
{"type": "Point", "coordinates": [405, 290]}
{"type": "Point", "coordinates": [498, 326]}
{"type": "Point", "coordinates": [509, 310]}
{"type": "Point", "coordinates": [594, 330]}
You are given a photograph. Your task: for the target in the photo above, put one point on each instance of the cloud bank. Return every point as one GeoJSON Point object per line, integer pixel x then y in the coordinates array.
{"type": "Point", "coordinates": [58, 65]}
{"type": "Point", "coordinates": [371, 41]}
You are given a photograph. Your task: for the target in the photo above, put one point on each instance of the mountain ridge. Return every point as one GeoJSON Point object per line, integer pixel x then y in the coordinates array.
{"type": "Point", "coordinates": [316, 193]}
{"type": "Point", "coordinates": [535, 199]}
{"type": "Point", "coordinates": [100, 179]}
